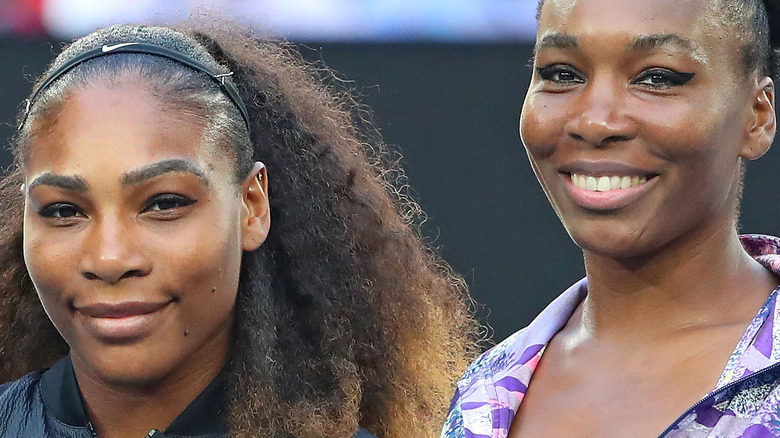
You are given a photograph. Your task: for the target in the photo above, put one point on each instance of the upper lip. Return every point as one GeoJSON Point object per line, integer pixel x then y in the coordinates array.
{"type": "Point", "coordinates": [605, 168]}
{"type": "Point", "coordinates": [120, 310]}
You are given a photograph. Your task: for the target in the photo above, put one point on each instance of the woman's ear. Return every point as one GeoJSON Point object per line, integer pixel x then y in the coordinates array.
{"type": "Point", "coordinates": [255, 215]}
{"type": "Point", "coordinates": [763, 124]}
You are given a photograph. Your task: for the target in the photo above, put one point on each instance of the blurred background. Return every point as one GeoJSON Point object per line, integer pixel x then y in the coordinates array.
{"type": "Point", "coordinates": [446, 80]}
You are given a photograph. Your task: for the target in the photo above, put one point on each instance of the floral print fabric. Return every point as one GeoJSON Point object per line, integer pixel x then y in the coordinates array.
{"type": "Point", "coordinates": [744, 404]}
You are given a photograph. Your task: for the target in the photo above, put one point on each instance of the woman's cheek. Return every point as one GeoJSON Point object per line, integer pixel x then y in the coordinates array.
{"type": "Point", "coordinates": [202, 258]}
{"type": "Point", "coordinates": [48, 265]}
{"type": "Point", "coordinates": [539, 128]}
{"type": "Point", "coordinates": [46, 260]}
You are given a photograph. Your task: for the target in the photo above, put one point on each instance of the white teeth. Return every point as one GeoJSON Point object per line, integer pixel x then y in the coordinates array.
{"type": "Point", "coordinates": [606, 183]}
{"type": "Point", "coordinates": [614, 183]}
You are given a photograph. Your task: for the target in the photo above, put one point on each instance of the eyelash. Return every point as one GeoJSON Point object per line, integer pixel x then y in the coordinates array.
{"type": "Point", "coordinates": [174, 201]}
{"type": "Point", "coordinates": [179, 200]}
{"type": "Point", "coordinates": [51, 210]}
{"type": "Point", "coordinates": [549, 72]}
{"type": "Point", "coordinates": [669, 77]}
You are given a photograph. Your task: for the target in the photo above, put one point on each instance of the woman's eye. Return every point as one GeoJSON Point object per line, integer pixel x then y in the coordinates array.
{"type": "Point", "coordinates": [167, 202]}
{"type": "Point", "coordinates": [560, 74]}
{"type": "Point", "coordinates": [663, 78]}
{"type": "Point", "coordinates": [59, 210]}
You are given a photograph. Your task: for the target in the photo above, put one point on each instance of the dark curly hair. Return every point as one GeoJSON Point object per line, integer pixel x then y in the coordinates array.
{"type": "Point", "coordinates": [344, 318]}
{"type": "Point", "coordinates": [755, 22]}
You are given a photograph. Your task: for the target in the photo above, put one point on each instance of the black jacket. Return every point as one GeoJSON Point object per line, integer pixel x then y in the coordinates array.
{"type": "Point", "coordinates": [48, 405]}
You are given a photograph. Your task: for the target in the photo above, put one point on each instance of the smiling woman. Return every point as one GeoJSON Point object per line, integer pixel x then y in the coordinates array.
{"type": "Point", "coordinates": [170, 281]}
{"type": "Point", "coordinates": [637, 123]}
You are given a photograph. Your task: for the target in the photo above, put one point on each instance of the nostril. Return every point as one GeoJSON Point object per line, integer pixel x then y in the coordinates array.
{"type": "Point", "coordinates": [617, 138]}
{"type": "Point", "coordinates": [132, 273]}
{"type": "Point", "coordinates": [113, 279]}
{"type": "Point", "coordinates": [600, 140]}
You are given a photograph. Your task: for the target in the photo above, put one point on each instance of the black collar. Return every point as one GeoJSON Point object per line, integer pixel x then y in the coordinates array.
{"type": "Point", "coordinates": [62, 399]}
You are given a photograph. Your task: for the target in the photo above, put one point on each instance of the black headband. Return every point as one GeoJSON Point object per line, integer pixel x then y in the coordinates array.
{"type": "Point", "coordinates": [144, 48]}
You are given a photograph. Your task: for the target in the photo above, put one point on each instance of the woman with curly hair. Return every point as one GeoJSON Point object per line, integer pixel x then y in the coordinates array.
{"type": "Point", "coordinates": [197, 238]}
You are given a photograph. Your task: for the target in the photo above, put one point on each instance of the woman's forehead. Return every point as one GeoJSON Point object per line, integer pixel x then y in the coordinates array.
{"type": "Point", "coordinates": [695, 26]}
{"type": "Point", "coordinates": [124, 125]}
{"type": "Point", "coordinates": [639, 16]}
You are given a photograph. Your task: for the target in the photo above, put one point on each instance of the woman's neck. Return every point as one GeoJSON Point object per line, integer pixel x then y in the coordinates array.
{"type": "Point", "coordinates": [710, 281]}
{"type": "Point", "coordinates": [132, 410]}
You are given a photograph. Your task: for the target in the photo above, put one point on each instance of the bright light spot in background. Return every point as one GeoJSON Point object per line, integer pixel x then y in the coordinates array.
{"type": "Point", "coordinates": [336, 20]}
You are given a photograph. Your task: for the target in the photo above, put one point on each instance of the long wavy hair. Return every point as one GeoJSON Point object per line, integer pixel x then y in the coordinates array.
{"type": "Point", "coordinates": [344, 318]}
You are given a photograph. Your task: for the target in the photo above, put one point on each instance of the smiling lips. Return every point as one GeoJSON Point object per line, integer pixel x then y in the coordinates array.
{"type": "Point", "coordinates": [606, 183]}
{"type": "Point", "coordinates": [122, 322]}
{"type": "Point", "coordinates": [606, 192]}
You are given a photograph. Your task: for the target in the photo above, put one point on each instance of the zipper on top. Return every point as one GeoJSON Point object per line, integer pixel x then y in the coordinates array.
{"type": "Point", "coordinates": [152, 433]}
{"type": "Point", "coordinates": [718, 391]}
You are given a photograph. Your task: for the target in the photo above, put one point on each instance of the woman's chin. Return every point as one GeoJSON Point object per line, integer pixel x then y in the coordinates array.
{"type": "Point", "coordinates": [118, 368]}
{"type": "Point", "coordinates": [615, 242]}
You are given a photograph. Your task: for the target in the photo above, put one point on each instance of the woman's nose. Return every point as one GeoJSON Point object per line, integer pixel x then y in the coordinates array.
{"type": "Point", "coordinates": [112, 253]}
{"type": "Point", "coordinates": [598, 116]}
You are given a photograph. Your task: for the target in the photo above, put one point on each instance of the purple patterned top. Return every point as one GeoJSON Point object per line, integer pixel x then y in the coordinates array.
{"type": "Point", "coordinates": [744, 404]}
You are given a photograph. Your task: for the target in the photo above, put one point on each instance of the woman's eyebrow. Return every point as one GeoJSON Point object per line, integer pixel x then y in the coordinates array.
{"type": "Point", "coordinates": [645, 43]}
{"type": "Point", "coordinates": [156, 169]}
{"type": "Point", "coordinates": [64, 182]}
{"type": "Point", "coordinates": [668, 41]}
{"type": "Point", "coordinates": [556, 41]}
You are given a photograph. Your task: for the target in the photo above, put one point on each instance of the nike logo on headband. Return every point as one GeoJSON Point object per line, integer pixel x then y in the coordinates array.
{"type": "Point", "coordinates": [107, 49]}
